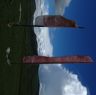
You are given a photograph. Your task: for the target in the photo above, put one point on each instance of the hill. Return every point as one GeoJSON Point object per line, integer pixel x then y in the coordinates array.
{"type": "Point", "coordinates": [17, 78]}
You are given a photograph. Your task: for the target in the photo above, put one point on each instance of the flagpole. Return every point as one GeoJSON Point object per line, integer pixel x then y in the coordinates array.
{"type": "Point", "coordinates": [31, 25]}
{"type": "Point", "coordinates": [23, 25]}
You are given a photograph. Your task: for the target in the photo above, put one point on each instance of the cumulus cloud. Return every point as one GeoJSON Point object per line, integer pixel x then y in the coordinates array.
{"type": "Point", "coordinates": [61, 6]}
{"type": "Point", "coordinates": [41, 9]}
{"type": "Point", "coordinates": [45, 47]}
{"type": "Point", "coordinates": [54, 80]}
{"type": "Point", "coordinates": [43, 37]}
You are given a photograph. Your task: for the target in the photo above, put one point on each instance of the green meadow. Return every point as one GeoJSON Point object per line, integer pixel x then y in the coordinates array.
{"type": "Point", "coordinates": [17, 78]}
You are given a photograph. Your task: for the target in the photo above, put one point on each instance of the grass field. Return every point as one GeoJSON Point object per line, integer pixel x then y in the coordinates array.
{"type": "Point", "coordinates": [17, 78]}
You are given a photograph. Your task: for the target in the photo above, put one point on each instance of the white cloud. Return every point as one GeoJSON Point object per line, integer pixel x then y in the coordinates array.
{"type": "Point", "coordinates": [43, 38]}
{"type": "Point", "coordinates": [41, 9]}
{"type": "Point", "coordinates": [54, 80]}
{"type": "Point", "coordinates": [44, 45]}
{"type": "Point", "coordinates": [61, 6]}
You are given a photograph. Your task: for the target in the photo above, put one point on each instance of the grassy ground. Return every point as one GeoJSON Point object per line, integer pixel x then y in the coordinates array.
{"type": "Point", "coordinates": [17, 78]}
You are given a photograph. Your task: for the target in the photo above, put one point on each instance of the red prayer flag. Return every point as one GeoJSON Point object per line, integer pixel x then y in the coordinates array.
{"type": "Point", "coordinates": [65, 59]}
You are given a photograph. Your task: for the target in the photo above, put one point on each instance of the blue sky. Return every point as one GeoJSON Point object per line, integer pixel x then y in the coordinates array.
{"type": "Point", "coordinates": [79, 41]}
{"type": "Point", "coordinates": [68, 41]}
